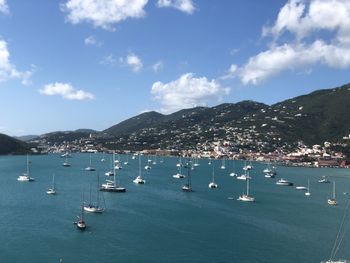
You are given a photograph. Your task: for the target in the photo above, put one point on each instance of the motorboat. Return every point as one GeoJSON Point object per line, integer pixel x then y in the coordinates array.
{"type": "Point", "coordinates": [284, 182]}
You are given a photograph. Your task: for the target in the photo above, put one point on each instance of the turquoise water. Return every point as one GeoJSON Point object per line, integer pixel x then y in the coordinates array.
{"type": "Point", "coordinates": [157, 222]}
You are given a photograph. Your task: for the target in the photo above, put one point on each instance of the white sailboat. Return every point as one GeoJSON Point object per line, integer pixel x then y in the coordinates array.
{"type": "Point", "coordinates": [111, 185]}
{"type": "Point", "coordinates": [103, 157]}
{"type": "Point", "coordinates": [246, 197]}
{"type": "Point", "coordinates": [110, 172]}
{"type": "Point", "coordinates": [244, 176]}
{"type": "Point", "coordinates": [91, 207]}
{"type": "Point", "coordinates": [139, 179]}
{"type": "Point", "coordinates": [196, 162]}
{"type": "Point", "coordinates": [52, 190]}
{"type": "Point", "coordinates": [127, 160]}
{"type": "Point", "coordinates": [25, 177]}
{"type": "Point", "coordinates": [212, 184]}
{"type": "Point", "coordinates": [223, 167]}
{"type": "Point", "coordinates": [179, 164]}
{"type": "Point", "coordinates": [333, 201]}
{"type": "Point", "coordinates": [188, 187]}
{"type": "Point", "coordinates": [66, 163]}
{"type": "Point", "coordinates": [233, 173]}
{"type": "Point", "coordinates": [81, 225]}
{"type": "Point", "coordinates": [344, 226]}
{"type": "Point", "coordinates": [179, 174]}
{"type": "Point", "coordinates": [90, 167]}
{"type": "Point", "coordinates": [308, 193]}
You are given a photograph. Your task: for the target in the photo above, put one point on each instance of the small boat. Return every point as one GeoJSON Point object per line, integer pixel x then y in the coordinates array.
{"type": "Point", "coordinates": [212, 184]}
{"type": "Point", "coordinates": [139, 179]}
{"type": "Point", "coordinates": [118, 167]}
{"type": "Point", "coordinates": [52, 190]}
{"type": "Point", "coordinates": [81, 225]}
{"type": "Point", "coordinates": [90, 168]}
{"type": "Point", "coordinates": [324, 180]}
{"type": "Point", "coordinates": [333, 201]}
{"type": "Point", "coordinates": [91, 207]}
{"type": "Point", "coordinates": [284, 182]}
{"type": "Point", "coordinates": [148, 167]}
{"type": "Point", "coordinates": [196, 162]}
{"type": "Point", "coordinates": [111, 186]}
{"type": "Point", "coordinates": [188, 187]}
{"type": "Point", "coordinates": [179, 174]}
{"type": "Point", "coordinates": [223, 167]}
{"type": "Point", "coordinates": [244, 176]}
{"type": "Point", "coordinates": [269, 175]}
{"type": "Point", "coordinates": [25, 177]}
{"type": "Point", "coordinates": [179, 164]}
{"type": "Point", "coordinates": [66, 163]}
{"type": "Point", "coordinates": [246, 197]}
{"type": "Point", "coordinates": [66, 154]}
{"type": "Point", "coordinates": [301, 188]}
{"type": "Point", "coordinates": [233, 174]}
{"type": "Point", "coordinates": [247, 167]}
{"type": "Point", "coordinates": [308, 193]}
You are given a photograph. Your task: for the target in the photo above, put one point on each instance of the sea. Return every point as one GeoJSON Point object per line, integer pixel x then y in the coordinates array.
{"type": "Point", "coordinates": [158, 222]}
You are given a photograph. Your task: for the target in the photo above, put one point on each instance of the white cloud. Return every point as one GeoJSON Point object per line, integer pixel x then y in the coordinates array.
{"type": "Point", "coordinates": [133, 61]}
{"type": "Point", "coordinates": [109, 60]}
{"type": "Point", "coordinates": [4, 7]}
{"type": "Point", "coordinates": [186, 6]}
{"type": "Point", "coordinates": [92, 41]}
{"type": "Point", "coordinates": [318, 33]}
{"type": "Point", "coordinates": [8, 70]}
{"type": "Point", "coordinates": [230, 72]}
{"type": "Point", "coordinates": [66, 91]}
{"type": "Point", "coordinates": [103, 13]}
{"type": "Point", "coordinates": [158, 66]}
{"type": "Point", "coordinates": [186, 92]}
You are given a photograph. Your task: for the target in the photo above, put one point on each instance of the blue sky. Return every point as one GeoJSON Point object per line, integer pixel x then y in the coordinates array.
{"type": "Point", "coordinates": [73, 64]}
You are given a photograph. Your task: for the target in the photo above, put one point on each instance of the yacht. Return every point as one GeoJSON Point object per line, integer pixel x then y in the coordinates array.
{"type": "Point", "coordinates": [188, 187]}
{"type": "Point", "coordinates": [233, 174]}
{"type": "Point", "coordinates": [333, 201]}
{"type": "Point", "coordinates": [52, 190]}
{"type": "Point", "coordinates": [139, 179]}
{"type": "Point", "coordinates": [148, 167]}
{"type": "Point", "coordinates": [90, 168]}
{"type": "Point", "coordinates": [301, 188]}
{"type": "Point", "coordinates": [66, 163]}
{"type": "Point", "coordinates": [223, 167]}
{"type": "Point", "coordinates": [179, 174]}
{"type": "Point", "coordinates": [308, 193]}
{"type": "Point", "coordinates": [324, 180]}
{"type": "Point", "coordinates": [25, 177]}
{"type": "Point", "coordinates": [247, 167]}
{"type": "Point", "coordinates": [244, 176]}
{"type": "Point", "coordinates": [269, 175]}
{"type": "Point", "coordinates": [212, 184]}
{"type": "Point", "coordinates": [246, 197]}
{"type": "Point", "coordinates": [284, 182]}
{"type": "Point", "coordinates": [91, 207]}
{"type": "Point", "coordinates": [81, 225]}
{"type": "Point", "coordinates": [111, 185]}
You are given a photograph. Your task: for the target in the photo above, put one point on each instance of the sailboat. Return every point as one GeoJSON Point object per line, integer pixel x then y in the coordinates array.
{"type": "Point", "coordinates": [139, 179]}
{"type": "Point", "coordinates": [308, 193]}
{"type": "Point", "coordinates": [223, 167]}
{"type": "Point", "coordinates": [233, 174]}
{"type": "Point", "coordinates": [179, 164]}
{"type": "Point", "coordinates": [244, 176]}
{"type": "Point", "coordinates": [179, 174]}
{"type": "Point", "coordinates": [25, 177]}
{"type": "Point", "coordinates": [81, 225]}
{"type": "Point", "coordinates": [110, 172]}
{"type": "Point", "coordinates": [209, 162]}
{"type": "Point", "coordinates": [52, 190]}
{"type": "Point", "coordinates": [196, 162]}
{"type": "Point", "coordinates": [247, 166]}
{"type": "Point", "coordinates": [212, 184]}
{"type": "Point", "coordinates": [333, 201]}
{"type": "Point", "coordinates": [188, 187]}
{"type": "Point", "coordinates": [246, 197]}
{"type": "Point", "coordinates": [127, 160]}
{"type": "Point", "coordinates": [340, 238]}
{"type": "Point", "coordinates": [94, 208]}
{"type": "Point", "coordinates": [66, 163]}
{"type": "Point", "coordinates": [90, 168]}
{"type": "Point", "coordinates": [111, 185]}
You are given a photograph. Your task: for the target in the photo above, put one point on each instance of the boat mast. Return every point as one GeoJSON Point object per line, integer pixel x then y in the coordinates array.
{"type": "Point", "coordinates": [140, 165]}
{"type": "Point", "coordinates": [248, 184]}
{"type": "Point", "coordinates": [213, 174]}
{"type": "Point", "coordinates": [333, 189]}
{"type": "Point", "coordinates": [114, 171]}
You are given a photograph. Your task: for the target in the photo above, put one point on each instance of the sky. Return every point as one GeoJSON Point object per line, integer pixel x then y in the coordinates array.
{"type": "Point", "coordinates": [71, 64]}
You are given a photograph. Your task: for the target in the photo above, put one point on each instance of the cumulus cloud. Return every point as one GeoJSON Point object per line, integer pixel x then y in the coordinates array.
{"type": "Point", "coordinates": [4, 7]}
{"type": "Point", "coordinates": [8, 70]}
{"type": "Point", "coordinates": [66, 91]}
{"type": "Point", "coordinates": [92, 41]}
{"type": "Point", "coordinates": [103, 13]}
{"type": "Point", "coordinates": [318, 32]}
{"type": "Point", "coordinates": [132, 61]}
{"type": "Point", "coordinates": [158, 66]}
{"type": "Point", "coordinates": [186, 6]}
{"type": "Point", "coordinates": [186, 92]}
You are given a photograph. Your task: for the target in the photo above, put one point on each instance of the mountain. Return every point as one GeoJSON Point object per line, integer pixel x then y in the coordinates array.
{"type": "Point", "coordinates": [26, 138]}
{"type": "Point", "coordinates": [144, 120]}
{"type": "Point", "coordinates": [314, 118]}
{"type": "Point", "coordinates": [9, 145]}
